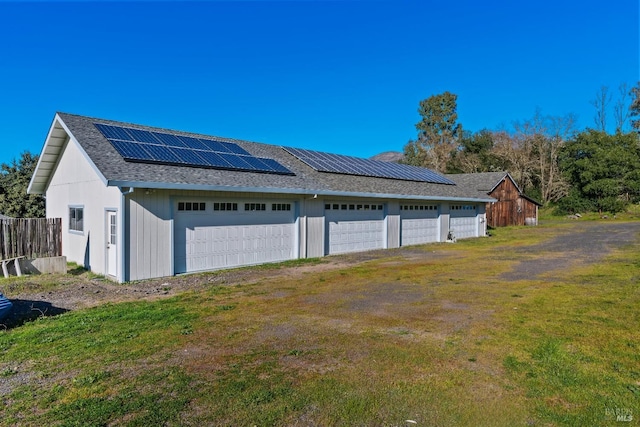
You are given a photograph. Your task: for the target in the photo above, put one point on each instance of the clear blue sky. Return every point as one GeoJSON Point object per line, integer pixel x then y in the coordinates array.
{"type": "Point", "coordinates": [339, 76]}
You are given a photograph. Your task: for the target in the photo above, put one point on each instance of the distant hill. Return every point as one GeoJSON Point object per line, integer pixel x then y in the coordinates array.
{"type": "Point", "coordinates": [389, 156]}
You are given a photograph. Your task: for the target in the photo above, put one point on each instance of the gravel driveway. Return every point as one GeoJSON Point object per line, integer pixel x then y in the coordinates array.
{"type": "Point", "coordinates": [585, 243]}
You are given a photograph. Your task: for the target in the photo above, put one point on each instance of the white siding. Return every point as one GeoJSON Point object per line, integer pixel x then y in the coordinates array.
{"type": "Point", "coordinates": [314, 215]}
{"type": "Point", "coordinates": [75, 183]}
{"type": "Point", "coordinates": [444, 221]}
{"type": "Point", "coordinates": [482, 220]}
{"type": "Point", "coordinates": [149, 233]}
{"type": "Point", "coordinates": [393, 224]}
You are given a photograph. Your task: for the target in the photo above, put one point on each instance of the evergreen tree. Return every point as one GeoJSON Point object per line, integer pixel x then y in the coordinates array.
{"type": "Point", "coordinates": [438, 133]}
{"type": "Point", "coordinates": [14, 180]}
{"type": "Point", "coordinates": [603, 169]}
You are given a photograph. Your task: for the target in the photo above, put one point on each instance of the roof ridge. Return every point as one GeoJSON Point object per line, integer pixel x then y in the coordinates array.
{"type": "Point", "coordinates": [161, 129]}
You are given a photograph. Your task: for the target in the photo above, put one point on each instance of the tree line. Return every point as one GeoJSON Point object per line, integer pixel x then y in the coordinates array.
{"type": "Point", "coordinates": [552, 161]}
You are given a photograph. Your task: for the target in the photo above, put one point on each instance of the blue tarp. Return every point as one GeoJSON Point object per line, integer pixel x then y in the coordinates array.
{"type": "Point", "coordinates": [5, 306]}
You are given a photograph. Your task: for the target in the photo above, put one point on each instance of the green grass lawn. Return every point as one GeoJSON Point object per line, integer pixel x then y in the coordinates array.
{"type": "Point", "coordinates": [439, 340]}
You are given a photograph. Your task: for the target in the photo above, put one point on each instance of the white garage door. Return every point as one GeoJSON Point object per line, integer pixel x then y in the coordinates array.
{"type": "Point", "coordinates": [464, 221]}
{"type": "Point", "coordinates": [419, 224]}
{"type": "Point", "coordinates": [221, 234]}
{"type": "Point", "coordinates": [354, 227]}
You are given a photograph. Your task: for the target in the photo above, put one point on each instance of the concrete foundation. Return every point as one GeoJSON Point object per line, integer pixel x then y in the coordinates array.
{"type": "Point", "coordinates": [56, 264]}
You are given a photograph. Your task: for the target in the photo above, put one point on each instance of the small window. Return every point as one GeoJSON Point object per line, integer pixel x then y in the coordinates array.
{"type": "Point", "coordinates": [336, 206]}
{"type": "Point", "coordinates": [367, 207]}
{"type": "Point", "coordinates": [225, 206]}
{"type": "Point", "coordinates": [255, 207]}
{"type": "Point", "coordinates": [352, 207]}
{"type": "Point", "coordinates": [191, 206]}
{"type": "Point", "coordinates": [327, 207]}
{"type": "Point", "coordinates": [373, 207]}
{"type": "Point", "coordinates": [343, 207]}
{"type": "Point", "coordinates": [76, 222]}
{"type": "Point", "coordinates": [281, 207]}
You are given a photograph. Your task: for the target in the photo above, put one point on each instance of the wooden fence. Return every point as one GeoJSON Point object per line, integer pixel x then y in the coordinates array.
{"type": "Point", "coordinates": [30, 237]}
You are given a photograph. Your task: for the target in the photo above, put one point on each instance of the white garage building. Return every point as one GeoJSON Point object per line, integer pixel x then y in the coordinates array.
{"type": "Point", "coordinates": [142, 202]}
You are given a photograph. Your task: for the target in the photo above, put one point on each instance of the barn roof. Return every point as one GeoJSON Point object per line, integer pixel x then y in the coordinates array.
{"type": "Point", "coordinates": [114, 170]}
{"type": "Point", "coordinates": [486, 182]}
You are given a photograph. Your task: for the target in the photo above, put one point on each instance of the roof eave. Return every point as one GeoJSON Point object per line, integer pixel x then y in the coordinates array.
{"type": "Point", "coordinates": [524, 196]}
{"type": "Point", "coordinates": [58, 137]}
{"type": "Point", "coordinates": [298, 191]}
{"type": "Point", "coordinates": [52, 147]}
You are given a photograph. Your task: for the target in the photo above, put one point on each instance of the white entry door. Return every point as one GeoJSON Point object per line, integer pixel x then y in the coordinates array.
{"type": "Point", "coordinates": [112, 243]}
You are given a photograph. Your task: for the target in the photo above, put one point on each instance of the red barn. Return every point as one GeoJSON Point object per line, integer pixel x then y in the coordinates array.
{"type": "Point", "coordinates": [512, 206]}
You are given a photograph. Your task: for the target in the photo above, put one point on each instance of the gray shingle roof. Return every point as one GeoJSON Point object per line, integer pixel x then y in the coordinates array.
{"type": "Point", "coordinates": [483, 182]}
{"type": "Point", "coordinates": [306, 180]}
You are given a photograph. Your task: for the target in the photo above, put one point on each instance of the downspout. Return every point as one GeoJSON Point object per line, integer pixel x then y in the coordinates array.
{"type": "Point", "coordinates": [121, 233]}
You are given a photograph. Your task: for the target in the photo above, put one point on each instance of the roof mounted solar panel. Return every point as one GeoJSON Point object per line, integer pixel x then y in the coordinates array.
{"type": "Point", "coordinates": [190, 157]}
{"type": "Point", "coordinates": [348, 165]}
{"type": "Point", "coordinates": [169, 140]}
{"type": "Point", "coordinates": [162, 153]}
{"type": "Point", "coordinates": [214, 159]}
{"type": "Point", "coordinates": [114, 132]}
{"type": "Point", "coordinates": [131, 150]}
{"type": "Point", "coordinates": [193, 143]}
{"type": "Point", "coordinates": [139, 145]}
{"type": "Point", "coordinates": [215, 146]}
{"type": "Point", "coordinates": [274, 166]}
{"type": "Point", "coordinates": [142, 136]}
{"type": "Point", "coordinates": [234, 148]}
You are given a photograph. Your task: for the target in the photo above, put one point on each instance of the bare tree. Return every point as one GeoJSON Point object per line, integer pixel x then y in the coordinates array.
{"type": "Point", "coordinates": [601, 103]}
{"type": "Point", "coordinates": [634, 108]}
{"type": "Point", "coordinates": [515, 154]}
{"type": "Point", "coordinates": [560, 129]}
{"type": "Point", "coordinates": [621, 109]}
{"type": "Point", "coordinates": [531, 153]}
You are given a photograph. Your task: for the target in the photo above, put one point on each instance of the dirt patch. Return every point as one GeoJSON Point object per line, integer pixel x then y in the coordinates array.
{"type": "Point", "coordinates": [375, 299]}
{"type": "Point", "coordinates": [586, 243]}
{"type": "Point", "coordinates": [73, 292]}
